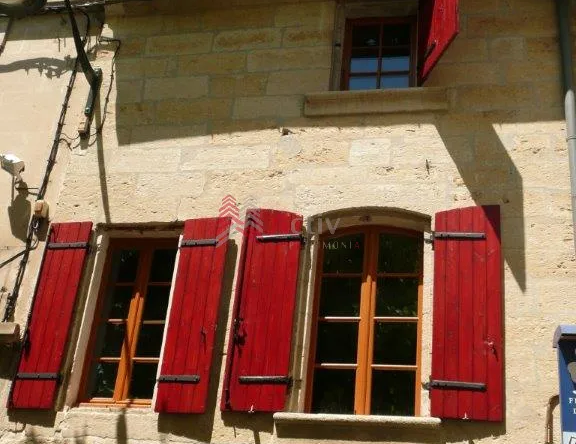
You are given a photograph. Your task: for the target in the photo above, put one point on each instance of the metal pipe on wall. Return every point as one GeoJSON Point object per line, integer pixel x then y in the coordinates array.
{"type": "Point", "coordinates": [564, 14]}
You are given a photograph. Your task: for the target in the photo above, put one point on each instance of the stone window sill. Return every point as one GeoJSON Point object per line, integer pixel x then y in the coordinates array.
{"type": "Point", "coordinates": [345, 103]}
{"type": "Point", "coordinates": [296, 419]}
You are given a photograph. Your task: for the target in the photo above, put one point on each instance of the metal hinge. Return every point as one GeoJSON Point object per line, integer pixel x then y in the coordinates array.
{"type": "Point", "coordinates": [66, 245]}
{"type": "Point", "coordinates": [277, 380]}
{"type": "Point", "coordinates": [193, 379]}
{"type": "Point", "coordinates": [39, 376]}
{"type": "Point", "coordinates": [459, 385]}
{"type": "Point", "coordinates": [281, 237]}
{"type": "Point", "coordinates": [452, 235]}
{"type": "Point", "coordinates": [199, 243]}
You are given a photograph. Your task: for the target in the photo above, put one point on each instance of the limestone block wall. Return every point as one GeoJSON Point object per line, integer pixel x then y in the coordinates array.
{"type": "Point", "coordinates": [208, 100]}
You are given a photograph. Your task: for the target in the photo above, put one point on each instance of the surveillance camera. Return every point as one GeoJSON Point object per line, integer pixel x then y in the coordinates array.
{"type": "Point", "coordinates": [12, 164]}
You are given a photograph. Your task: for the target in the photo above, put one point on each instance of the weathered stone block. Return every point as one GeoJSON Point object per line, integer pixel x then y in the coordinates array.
{"type": "Point", "coordinates": [247, 39]}
{"type": "Point", "coordinates": [371, 152]}
{"type": "Point", "coordinates": [198, 110]}
{"type": "Point", "coordinates": [298, 82]}
{"type": "Point", "coordinates": [213, 64]}
{"type": "Point", "coordinates": [250, 107]}
{"type": "Point", "coordinates": [195, 43]}
{"type": "Point", "coordinates": [296, 58]}
{"type": "Point", "coordinates": [238, 86]}
{"type": "Point", "coordinates": [218, 158]}
{"type": "Point", "coordinates": [176, 87]}
{"type": "Point", "coordinates": [307, 37]}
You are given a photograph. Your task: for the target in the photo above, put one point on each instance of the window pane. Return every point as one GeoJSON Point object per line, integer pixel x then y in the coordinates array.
{"type": "Point", "coordinates": [337, 342]}
{"type": "Point", "coordinates": [143, 380]}
{"type": "Point", "coordinates": [402, 81]}
{"type": "Point", "coordinates": [333, 391]}
{"type": "Point", "coordinates": [340, 297]}
{"type": "Point", "coordinates": [162, 265]}
{"type": "Point", "coordinates": [396, 61]}
{"type": "Point", "coordinates": [393, 393]}
{"type": "Point", "coordinates": [102, 380]}
{"type": "Point", "coordinates": [124, 265]}
{"type": "Point", "coordinates": [119, 302]}
{"type": "Point", "coordinates": [149, 341]}
{"type": "Point", "coordinates": [364, 60]}
{"type": "Point", "coordinates": [344, 254]}
{"type": "Point", "coordinates": [395, 343]}
{"type": "Point", "coordinates": [156, 303]}
{"type": "Point", "coordinates": [397, 297]}
{"type": "Point", "coordinates": [366, 35]}
{"type": "Point", "coordinates": [110, 340]}
{"type": "Point", "coordinates": [357, 83]}
{"type": "Point", "coordinates": [398, 253]}
{"type": "Point", "coordinates": [395, 35]}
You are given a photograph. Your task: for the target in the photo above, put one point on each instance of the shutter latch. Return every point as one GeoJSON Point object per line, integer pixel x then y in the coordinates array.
{"type": "Point", "coordinates": [455, 385]}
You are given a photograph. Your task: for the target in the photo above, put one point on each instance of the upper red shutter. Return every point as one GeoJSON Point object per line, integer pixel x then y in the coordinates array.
{"type": "Point", "coordinates": [187, 356]}
{"type": "Point", "coordinates": [257, 373]}
{"type": "Point", "coordinates": [39, 370]}
{"type": "Point", "coordinates": [438, 25]}
{"type": "Point", "coordinates": [467, 326]}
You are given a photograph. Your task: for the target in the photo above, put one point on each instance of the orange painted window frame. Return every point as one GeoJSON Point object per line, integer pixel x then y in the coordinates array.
{"type": "Point", "coordinates": [370, 276]}
{"type": "Point", "coordinates": [133, 323]}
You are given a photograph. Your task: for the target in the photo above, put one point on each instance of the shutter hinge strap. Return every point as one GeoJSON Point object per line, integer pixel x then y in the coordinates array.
{"type": "Point", "coordinates": [456, 385]}
{"type": "Point", "coordinates": [39, 376]}
{"type": "Point", "coordinates": [66, 245]}
{"type": "Point", "coordinates": [281, 237]}
{"type": "Point", "coordinates": [276, 380]}
{"type": "Point", "coordinates": [193, 379]}
{"type": "Point", "coordinates": [198, 243]}
{"type": "Point", "coordinates": [452, 235]}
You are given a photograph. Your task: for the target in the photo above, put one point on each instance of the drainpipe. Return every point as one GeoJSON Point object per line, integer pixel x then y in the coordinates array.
{"type": "Point", "coordinates": [564, 13]}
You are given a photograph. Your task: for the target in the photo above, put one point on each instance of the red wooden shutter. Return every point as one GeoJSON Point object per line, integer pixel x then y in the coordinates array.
{"type": "Point", "coordinates": [467, 351]}
{"type": "Point", "coordinates": [39, 370]}
{"type": "Point", "coordinates": [187, 356]}
{"type": "Point", "coordinates": [257, 372]}
{"type": "Point", "coordinates": [438, 26]}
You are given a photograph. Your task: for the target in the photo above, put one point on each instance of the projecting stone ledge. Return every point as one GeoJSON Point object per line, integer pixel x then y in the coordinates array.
{"type": "Point", "coordinates": [329, 419]}
{"type": "Point", "coordinates": [383, 101]}
{"type": "Point", "coordinates": [9, 332]}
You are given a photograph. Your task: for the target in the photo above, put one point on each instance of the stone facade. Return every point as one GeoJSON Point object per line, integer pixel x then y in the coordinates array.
{"type": "Point", "coordinates": [216, 98]}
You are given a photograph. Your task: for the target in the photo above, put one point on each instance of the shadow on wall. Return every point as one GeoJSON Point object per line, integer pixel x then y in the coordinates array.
{"type": "Point", "coordinates": [19, 211]}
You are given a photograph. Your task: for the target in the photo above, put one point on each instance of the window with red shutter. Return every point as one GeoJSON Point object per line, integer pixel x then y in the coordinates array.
{"type": "Point", "coordinates": [467, 350]}
{"type": "Point", "coordinates": [36, 382]}
{"type": "Point", "coordinates": [258, 362]}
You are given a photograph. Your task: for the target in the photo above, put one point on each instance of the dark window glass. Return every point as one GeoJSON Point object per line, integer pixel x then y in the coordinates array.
{"type": "Point", "coordinates": [113, 336]}
{"type": "Point", "coordinates": [364, 60]}
{"type": "Point", "coordinates": [398, 253]}
{"type": "Point", "coordinates": [344, 254]}
{"type": "Point", "coordinates": [359, 83]}
{"type": "Point", "coordinates": [119, 302]}
{"type": "Point", "coordinates": [337, 342]}
{"type": "Point", "coordinates": [392, 393]}
{"type": "Point", "coordinates": [396, 61]}
{"type": "Point", "coordinates": [162, 265]}
{"type": "Point", "coordinates": [149, 341]}
{"type": "Point", "coordinates": [340, 297]}
{"type": "Point", "coordinates": [396, 35]}
{"type": "Point", "coordinates": [394, 81]}
{"type": "Point", "coordinates": [333, 391]}
{"type": "Point", "coordinates": [395, 343]}
{"type": "Point", "coordinates": [366, 36]}
{"type": "Point", "coordinates": [156, 303]}
{"type": "Point", "coordinates": [397, 297]}
{"type": "Point", "coordinates": [125, 265]}
{"type": "Point", "coordinates": [103, 379]}
{"type": "Point", "coordinates": [143, 380]}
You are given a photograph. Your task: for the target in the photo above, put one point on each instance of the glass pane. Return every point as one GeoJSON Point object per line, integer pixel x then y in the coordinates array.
{"type": "Point", "coordinates": [333, 391]}
{"type": "Point", "coordinates": [337, 342]}
{"type": "Point", "coordinates": [402, 81]}
{"type": "Point", "coordinates": [143, 380]}
{"type": "Point", "coordinates": [110, 340]}
{"type": "Point", "coordinates": [356, 83]}
{"type": "Point", "coordinates": [119, 302]}
{"type": "Point", "coordinates": [149, 341]}
{"type": "Point", "coordinates": [397, 297]}
{"type": "Point", "coordinates": [156, 303]}
{"type": "Point", "coordinates": [395, 35]}
{"type": "Point", "coordinates": [392, 393]}
{"type": "Point", "coordinates": [102, 380]}
{"type": "Point", "coordinates": [364, 60]}
{"type": "Point", "coordinates": [125, 265]}
{"type": "Point", "coordinates": [396, 61]}
{"type": "Point", "coordinates": [366, 35]}
{"type": "Point", "coordinates": [162, 265]}
{"type": "Point", "coordinates": [395, 343]}
{"type": "Point", "coordinates": [398, 253]}
{"type": "Point", "coordinates": [344, 254]}
{"type": "Point", "coordinates": [340, 297]}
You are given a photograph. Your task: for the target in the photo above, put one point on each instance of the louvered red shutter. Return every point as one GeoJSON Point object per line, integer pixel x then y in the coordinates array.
{"type": "Point", "coordinates": [187, 356]}
{"type": "Point", "coordinates": [467, 351]}
{"type": "Point", "coordinates": [258, 366]}
{"type": "Point", "coordinates": [36, 382]}
{"type": "Point", "coordinates": [438, 26]}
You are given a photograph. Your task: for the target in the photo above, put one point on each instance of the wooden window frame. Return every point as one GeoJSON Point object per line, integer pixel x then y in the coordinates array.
{"type": "Point", "coordinates": [133, 323]}
{"type": "Point", "coordinates": [364, 366]}
{"type": "Point", "coordinates": [382, 22]}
